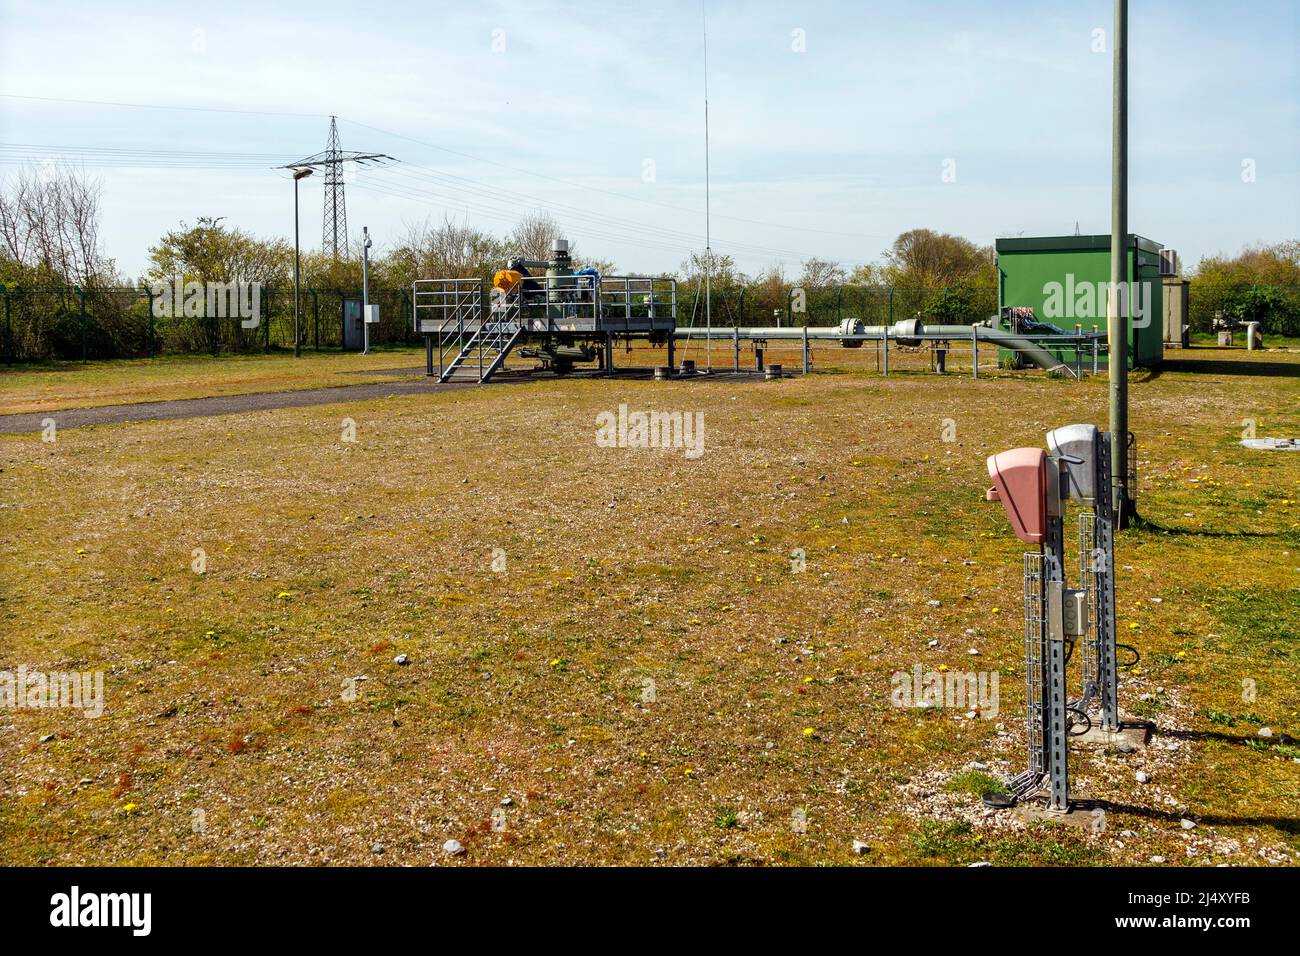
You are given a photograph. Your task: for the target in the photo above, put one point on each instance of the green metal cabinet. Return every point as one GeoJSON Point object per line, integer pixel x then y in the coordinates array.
{"type": "Point", "coordinates": [1064, 280]}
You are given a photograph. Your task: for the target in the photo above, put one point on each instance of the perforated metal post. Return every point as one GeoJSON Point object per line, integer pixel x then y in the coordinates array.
{"type": "Point", "coordinates": [1035, 641]}
{"type": "Point", "coordinates": [1107, 669]}
{"type": "Point", "coordinates": [1054, 716]}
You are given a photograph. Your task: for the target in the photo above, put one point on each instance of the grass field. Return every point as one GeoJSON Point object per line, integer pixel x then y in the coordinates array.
{"type": "Point", "coordinates": [611, 656]}
{"type": "Point", "coordinates": [48, 388]}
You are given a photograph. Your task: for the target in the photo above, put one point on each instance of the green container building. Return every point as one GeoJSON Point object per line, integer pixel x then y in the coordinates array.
{"type": "Point", "coordinates": [1065, 280]}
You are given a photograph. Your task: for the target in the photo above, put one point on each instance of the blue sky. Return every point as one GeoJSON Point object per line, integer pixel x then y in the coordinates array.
{"type": "Point", "coordinates": [830, 152]}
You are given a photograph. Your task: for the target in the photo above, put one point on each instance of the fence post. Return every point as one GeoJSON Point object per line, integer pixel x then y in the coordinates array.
{"type": "Point", "coordinates": [342, 320]}
{"type": "Point", "coordinates": [266, 320]}
{"type": "Point", "coordinates": [974, 353]}
{"type": "Point", "coordinates": [410, 298]}
{"type": "Point", "coordinates": [9, 335]}
{"type": "Point", "coordinates": [149, 341]}
{"type": "Point", "coordinates": [81, 293]}
{"type": "Point", "coordinates": [805, 349]}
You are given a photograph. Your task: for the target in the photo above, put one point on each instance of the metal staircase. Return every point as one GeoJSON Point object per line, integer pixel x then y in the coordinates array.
{"type": "Point", "coordinates": [483, 352]}
{"type": "Point", "coordinates": [451, 314]}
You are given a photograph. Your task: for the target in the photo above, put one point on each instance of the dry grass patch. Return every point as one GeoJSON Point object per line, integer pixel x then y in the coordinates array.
{"type": "Point", "coordinates": [648, 662]}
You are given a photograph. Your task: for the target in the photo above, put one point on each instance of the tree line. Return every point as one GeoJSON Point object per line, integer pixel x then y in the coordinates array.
{"type": "Point", "coordinates": [50, 240]}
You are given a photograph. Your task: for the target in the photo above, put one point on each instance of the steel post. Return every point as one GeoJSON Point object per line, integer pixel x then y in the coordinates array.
{"type": "Point", "coordinates": [1117, 324]}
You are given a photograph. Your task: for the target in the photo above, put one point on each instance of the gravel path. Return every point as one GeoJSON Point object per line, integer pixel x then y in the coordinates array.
{"type": "Point", "coordinates": [217, 405]}
{"type": "Point", "coordinates": [262, 401]}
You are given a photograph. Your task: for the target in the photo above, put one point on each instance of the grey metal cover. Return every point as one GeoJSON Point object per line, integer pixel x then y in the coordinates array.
{"type": "Point", "coordinates": [1076, 445]}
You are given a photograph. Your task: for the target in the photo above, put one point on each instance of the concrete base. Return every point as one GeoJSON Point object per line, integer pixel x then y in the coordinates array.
{"type": "Point", "coordinates": [1083, 815]}
{"type": "Point", "coordinates": [1133, 735]}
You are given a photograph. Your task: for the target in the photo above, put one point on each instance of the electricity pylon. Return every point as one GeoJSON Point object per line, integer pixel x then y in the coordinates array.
{"type": "Point", "coordinates": [334, 232]}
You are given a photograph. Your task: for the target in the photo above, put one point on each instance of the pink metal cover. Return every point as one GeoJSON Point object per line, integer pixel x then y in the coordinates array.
{"type": "Point", "coordinates": [1020, 483]}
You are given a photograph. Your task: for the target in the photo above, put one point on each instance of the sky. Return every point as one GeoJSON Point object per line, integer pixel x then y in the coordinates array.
{"type": "Point", "coordinates": [833, 127]}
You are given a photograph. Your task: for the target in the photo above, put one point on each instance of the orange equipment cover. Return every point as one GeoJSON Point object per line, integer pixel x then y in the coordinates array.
{"type": "Point", "coordinates": [506, 279]}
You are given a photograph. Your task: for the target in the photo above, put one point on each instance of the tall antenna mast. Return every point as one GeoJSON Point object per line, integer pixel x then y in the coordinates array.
{"type": "Point", "coordinates": [708, 237]}
{"type": "Point", "coordinates": [334, 234]}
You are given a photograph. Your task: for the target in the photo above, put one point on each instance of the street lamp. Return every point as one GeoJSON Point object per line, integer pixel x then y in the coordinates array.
{"type": "Point", "coordinates": [298, 174]}
{"type": "Point", "coordinates": [365, 289]}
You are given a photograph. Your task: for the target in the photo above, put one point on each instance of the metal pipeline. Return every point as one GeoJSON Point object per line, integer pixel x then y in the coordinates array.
{"type": "Point", "coordinates": [906, 332]}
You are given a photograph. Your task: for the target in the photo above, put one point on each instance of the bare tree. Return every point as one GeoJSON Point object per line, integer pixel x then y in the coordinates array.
{"type": "Point", "coordinates": [820, 273]}
{"type": "Point", "coordinates": [535, 236]}
{"type": "Point", "coordinates": [49, 227]}
{"type": "Point", "coordinates": [722, 270]}
{"type": "Point", "coordinates": [449, 249]}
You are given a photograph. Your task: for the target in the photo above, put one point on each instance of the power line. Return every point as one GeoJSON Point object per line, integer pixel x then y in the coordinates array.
{"type": "Point", "coordinates": [505, 216]}
{"type": "Point", "coordinates": [579, 213]}
{"type": "Point", "coordinates": [511, 216]}
{"type": "Point", "coordinates": [155, 106]}
{"type": "Point", "coordinates": [453, 152]}
{"type": "Point", "coordinates": [331, 159]}
{"type": "Point", "coordinates": [754, 249]}
{"type": "Point", "coordinates": [610, 192]}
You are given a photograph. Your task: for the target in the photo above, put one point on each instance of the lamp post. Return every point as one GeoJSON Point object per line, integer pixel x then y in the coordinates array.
{"type": "Point", "coordinates": [365, 290]}
{"type": "Point", "coordinates": [298, 174]}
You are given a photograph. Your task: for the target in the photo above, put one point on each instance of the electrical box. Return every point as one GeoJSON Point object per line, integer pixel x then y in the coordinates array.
{"type": "Point", "coordinates": [372, 314]}
{"type": "Point", "coordinates": [1074, 611]}
{"type": "Point", "coordinates": [1076, 447]}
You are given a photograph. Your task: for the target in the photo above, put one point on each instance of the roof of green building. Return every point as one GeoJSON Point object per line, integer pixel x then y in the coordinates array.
{"type": "Point", "coordinates": [1071, 244]}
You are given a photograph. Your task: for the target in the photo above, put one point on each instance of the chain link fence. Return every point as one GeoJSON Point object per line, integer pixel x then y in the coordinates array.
{"type": "Point", "coordinates": [1275, 307]}
{"type": "Point", "coordinates": [74, 323]}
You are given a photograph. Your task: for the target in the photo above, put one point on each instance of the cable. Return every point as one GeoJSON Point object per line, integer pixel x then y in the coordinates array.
{"type": "Point", "coordinates": [480, 159]}
{"type": "Point", "coordinates": [154, 106]}
{"type": "Point", "coordinates": [96, 157]}
{"type": "Point", "coordinates": [413, 172]}
{"type": "Point", "coordinates": [1086, 720]}
{"type": "Point", "coordinates": [510, 216]}
{"type": "Point", "coordinates": [609, 192]}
